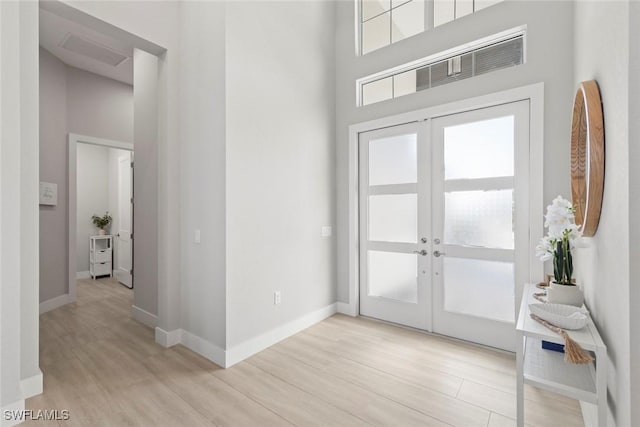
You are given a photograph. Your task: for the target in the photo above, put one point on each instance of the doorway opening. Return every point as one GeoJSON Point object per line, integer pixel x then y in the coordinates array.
{"type": "Point", "coordinates": [104, 188]}
{"type": "Point", "coordinates": [99, 97]}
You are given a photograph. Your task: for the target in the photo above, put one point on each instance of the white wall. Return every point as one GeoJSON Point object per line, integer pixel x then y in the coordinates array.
{"type": "Point", "coordinates": [602, 53]}
{"type": "Point", "coordinates": [18, 200]}
{"type": "Point", "coordinates": [72, 101]}
{"type": "Point", "coordinates": [98, 106]}
{"type": "Point", "coordinates": [145, 185]}
{"type": "Point", "coordinates": [202, 162]}
{"type": "Point", "coordinates": [92, 196]}
{"type": "Point", "coordinates": [280, 163]}
{"type": "Point", "coordinates": [634, 209]}
{"type": "Point", "coordinates": [53, 160]}
{"type": "Point", "coordinates": [548, 59]}
{"type": "Point", "coordinates": [10, 96]}
{"type": "Point", "coordinates": [29, 196]}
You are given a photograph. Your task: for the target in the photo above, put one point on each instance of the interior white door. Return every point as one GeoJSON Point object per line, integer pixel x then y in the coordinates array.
{"type": "Point", "coordinates": [480, 222]}
{"type": "Point", "coordinates": [125, 211]}
{"type": "Point", "coordinates": [394, 225]}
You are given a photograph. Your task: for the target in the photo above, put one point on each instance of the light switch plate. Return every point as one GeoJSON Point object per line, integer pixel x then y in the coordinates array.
{"type": "Point", "coordinates": [196, 236]}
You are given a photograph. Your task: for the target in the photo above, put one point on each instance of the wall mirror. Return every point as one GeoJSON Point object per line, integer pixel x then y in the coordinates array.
{"type": "Point", "coordinates": [587, 157]}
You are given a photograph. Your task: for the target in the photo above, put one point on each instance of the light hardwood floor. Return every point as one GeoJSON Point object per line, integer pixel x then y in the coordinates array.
{"type": "Point", "coordinates": [107, 370]}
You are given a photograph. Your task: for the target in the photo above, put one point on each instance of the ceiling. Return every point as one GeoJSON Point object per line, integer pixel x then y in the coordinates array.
{"type": "Point", "coordinates": [81, 47]}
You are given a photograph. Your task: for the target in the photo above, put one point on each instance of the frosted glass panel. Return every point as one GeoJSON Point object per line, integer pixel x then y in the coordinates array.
{"type": "Point", "coordinates": [404, 83]}
{"type": "Point", "coordinates": [393, 275]}
{"type": "Point", "coordinates": [443, 11]}
{"type": "Point", "coordinates": [407, 20]}
{"type": "Point", "coordinates": [479, 288]}
{"type": "Point", "coordinates": [396, 3]}
{"type": "Point", "coordinates": [463, 7]}
{"type": "Point", "coordinates": [480, 149]}
{"type": "Point", "coordinates": [377, 91]}
{"type": "Point", "coordinates": [481, 4]}
{"type": "Point", "coordinates": [371, 8]}
{"type": "Point", "coordinates": [479, 218]}
{"type": "Point", "coordinates": [376, 32]}
{"type": "Point", "coordinates": [393, 160]}
{"type": "Point", "coordinates": [393, 218]}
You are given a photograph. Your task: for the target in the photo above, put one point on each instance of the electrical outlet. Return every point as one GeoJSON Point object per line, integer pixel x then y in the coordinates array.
{"type": "Point", "coordinates": [277, 298]}
{"type": "Point", "coordinates": [326, 231]}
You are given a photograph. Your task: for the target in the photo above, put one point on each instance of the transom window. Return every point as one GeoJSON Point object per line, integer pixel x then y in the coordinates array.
{"type": "Point", "coordinates": [486, 55]}
{"type": "Point", "coordinates": [383, 22]}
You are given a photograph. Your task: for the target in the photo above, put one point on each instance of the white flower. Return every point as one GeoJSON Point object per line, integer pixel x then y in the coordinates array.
{"type": "Point", "coordinates": [545, 248]}
{"type": "Point", "coordinates": [560, 221]}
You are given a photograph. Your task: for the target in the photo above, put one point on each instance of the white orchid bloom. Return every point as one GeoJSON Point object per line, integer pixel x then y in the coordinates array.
{"type": "Point", "coordinates": [545, 248]}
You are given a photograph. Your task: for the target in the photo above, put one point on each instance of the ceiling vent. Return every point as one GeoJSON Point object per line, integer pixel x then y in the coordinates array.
{"type": "Point", "coordinates": [92, 50]}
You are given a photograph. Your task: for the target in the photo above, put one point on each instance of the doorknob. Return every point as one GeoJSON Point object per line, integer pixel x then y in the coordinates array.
{"type": "Point", "coordinates": [438, 253]}
{"type": "Point", "coordinates": [422, 252]}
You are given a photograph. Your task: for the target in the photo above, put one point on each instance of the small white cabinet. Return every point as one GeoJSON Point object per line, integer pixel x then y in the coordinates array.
{"type": "Point", "coordinates": [101, 256]}
{"type": "Point", "coordinates": [547, 369]}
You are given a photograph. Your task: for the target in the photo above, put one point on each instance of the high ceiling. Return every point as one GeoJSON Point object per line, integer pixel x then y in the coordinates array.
{"type": "Point", "coordinates": [79, 46]}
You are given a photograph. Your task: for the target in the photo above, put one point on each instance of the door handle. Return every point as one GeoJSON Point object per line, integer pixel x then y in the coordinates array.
{"type": "Point", "coordinates": [422, 252]}
{"type": "Point", "coordinates": [438, 253]}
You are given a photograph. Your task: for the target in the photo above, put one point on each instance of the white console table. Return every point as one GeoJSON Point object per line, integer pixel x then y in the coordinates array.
{"type": "Point", "coordinates": [546, 369]}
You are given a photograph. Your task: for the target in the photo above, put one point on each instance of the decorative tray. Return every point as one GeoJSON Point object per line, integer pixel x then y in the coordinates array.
{"type": "Point", "coordinates": [561, 315]}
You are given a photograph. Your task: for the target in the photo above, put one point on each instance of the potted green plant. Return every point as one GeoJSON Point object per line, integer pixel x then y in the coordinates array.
{"type": "Point", "coordinates": [562, 236]}
{"type": "Point", "coordinates": [102, 222]}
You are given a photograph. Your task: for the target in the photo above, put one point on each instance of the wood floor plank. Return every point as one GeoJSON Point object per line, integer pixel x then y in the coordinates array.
{"type": "Point", "coordinates": [356, 400]}
{"type": "Point", "coordinates": [291, 403]}
{"type": "Point", "coordinates": [413, 370]}
{"type": "Point", "coordinates": [107, 370]}
{"type": "Point", "coordinates": [441, 406]}
{"type": "Point", "coordinates": [208, 395]}
{"type": "Point", "coordinates": [538, 412]}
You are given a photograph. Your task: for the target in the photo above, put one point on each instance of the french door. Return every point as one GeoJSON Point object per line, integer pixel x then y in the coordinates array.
{"type": "Point", "coordinates": [444, 238]}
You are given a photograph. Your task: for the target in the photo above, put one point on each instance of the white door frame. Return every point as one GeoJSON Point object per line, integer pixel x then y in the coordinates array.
{"type": "Point", "coordinates": [74, 140]}
{"type": "Point", "coordinates": [534, 93]}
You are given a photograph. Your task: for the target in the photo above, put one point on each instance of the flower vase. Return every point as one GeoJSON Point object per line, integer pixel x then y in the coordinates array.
{"type": "Point", "coordinates": [565, 294]}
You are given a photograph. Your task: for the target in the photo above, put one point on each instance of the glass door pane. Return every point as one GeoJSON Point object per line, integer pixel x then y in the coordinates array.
{"type": "Point", "coordinates": [394, 266]}
{"type": "Point", "coordinates": [393, 275]}
{"type": "Point", "coordinates": [475, 166]}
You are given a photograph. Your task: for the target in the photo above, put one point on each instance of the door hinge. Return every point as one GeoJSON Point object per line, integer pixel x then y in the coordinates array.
{"type": "Point", "coordinates": [131, 236]}
{"type": "Point", "coordinates": [132, 164]}
{"type": "Point", "coordinates": [132, 200]}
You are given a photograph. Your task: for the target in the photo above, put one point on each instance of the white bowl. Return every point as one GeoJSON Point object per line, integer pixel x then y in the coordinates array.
{"type": "Point", "coordinates": [561, 315]}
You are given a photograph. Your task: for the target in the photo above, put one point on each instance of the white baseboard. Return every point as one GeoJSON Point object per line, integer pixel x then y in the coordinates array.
{"type": "Point", "coordinates": [168, 338]}
{"type": "Point", "coordinates": [12, 414]}
{"type": "Point", "coordinates": [54, 303]}
{"type": "Point", "coordinates": [348, 309]}
{"type": "Point", "coordinates": [238, 353]}
{"type": "Point", "coordinates": [204, 348]}
{"type": "Point", "coordinates": [83, 275]}
{"type": "Point", "coordinates": [144, 317]}
{"type": "Point", "coordinates": [31, 386]}
{"type": "Point", "coordinates": [254, 345]}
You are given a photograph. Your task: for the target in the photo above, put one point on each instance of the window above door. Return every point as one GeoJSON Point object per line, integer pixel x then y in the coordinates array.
{"type": "Point", "coordinates": [384, 22]}
{"type": "Point", "coordinates": [488, 54]}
